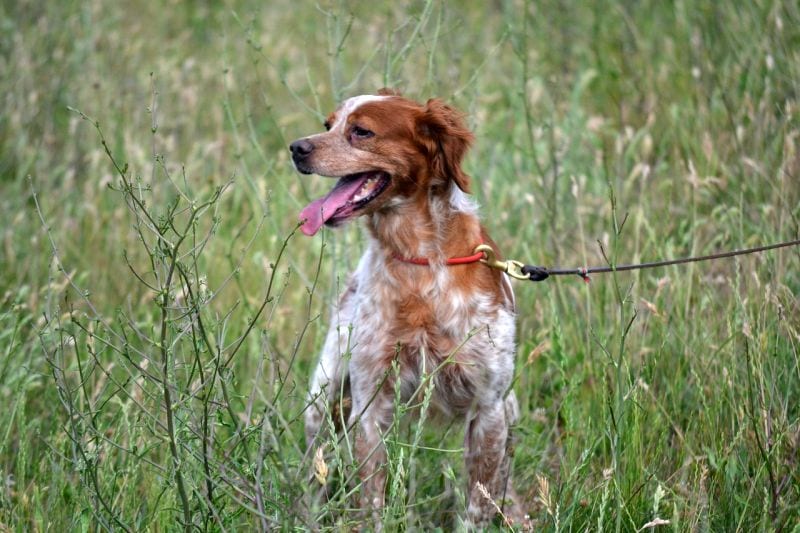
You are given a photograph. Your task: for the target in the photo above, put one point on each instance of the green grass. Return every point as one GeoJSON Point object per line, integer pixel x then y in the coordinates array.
{"type": "Point", "coordinates": [176, 280]}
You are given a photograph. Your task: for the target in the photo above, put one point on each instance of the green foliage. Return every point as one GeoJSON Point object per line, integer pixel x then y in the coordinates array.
{"type": "Point", "coordinates": [159, 317]}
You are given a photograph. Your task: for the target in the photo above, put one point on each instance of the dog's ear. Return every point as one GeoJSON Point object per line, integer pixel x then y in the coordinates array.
{"type": "Point", "coordinates": [386, 91]}
{"type": "Point", "coordinates": [444, 127]}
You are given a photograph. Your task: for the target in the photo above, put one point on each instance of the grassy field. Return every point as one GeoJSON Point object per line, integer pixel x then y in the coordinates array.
{"type": "Point", "coordinates": [159, 316]}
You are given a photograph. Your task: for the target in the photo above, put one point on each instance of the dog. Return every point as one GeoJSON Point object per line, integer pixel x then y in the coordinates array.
{"type": "Point", "coordinates": [418, 298]}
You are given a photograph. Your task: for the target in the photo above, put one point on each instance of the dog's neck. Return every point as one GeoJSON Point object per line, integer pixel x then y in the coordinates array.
{"type": "Point", "coordinates": [434, 224]}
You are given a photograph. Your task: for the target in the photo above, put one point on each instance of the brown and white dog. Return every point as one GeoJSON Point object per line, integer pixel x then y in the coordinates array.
{"type": "Point", "coordinates": [399, 166]}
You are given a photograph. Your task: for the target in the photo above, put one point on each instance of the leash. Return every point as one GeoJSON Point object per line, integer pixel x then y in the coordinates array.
{"type": "Point", "coordinates": [518, 270]}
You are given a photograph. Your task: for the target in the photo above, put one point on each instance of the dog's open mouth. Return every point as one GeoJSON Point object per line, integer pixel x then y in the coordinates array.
{"type": "Point", "coordinates": [350, 194]}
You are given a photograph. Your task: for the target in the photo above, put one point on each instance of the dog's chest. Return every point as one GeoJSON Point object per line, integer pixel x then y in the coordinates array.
{"type": "Point", "coordinates": [418, 311]}
{"type": "Point", "coordinates": [429, 324]}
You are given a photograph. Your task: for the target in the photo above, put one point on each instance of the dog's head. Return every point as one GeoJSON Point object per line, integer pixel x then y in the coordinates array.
{"type": "Point", "coordinates": [385, 150]}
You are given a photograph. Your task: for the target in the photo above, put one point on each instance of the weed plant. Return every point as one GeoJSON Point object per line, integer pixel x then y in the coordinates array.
{"type": "Point", "coordinates": [160, 315]}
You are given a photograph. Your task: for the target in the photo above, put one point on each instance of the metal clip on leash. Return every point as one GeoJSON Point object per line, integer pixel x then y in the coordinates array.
{"type": "Point", "coordinates": [515, 269]}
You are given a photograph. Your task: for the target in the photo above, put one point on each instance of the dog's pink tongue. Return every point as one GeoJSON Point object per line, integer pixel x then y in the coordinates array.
{"type": "Point", "coordinates": [317, 212]}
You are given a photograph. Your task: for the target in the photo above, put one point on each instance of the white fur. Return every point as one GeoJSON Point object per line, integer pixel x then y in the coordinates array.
{"type": "Point", "coordinates": [462, 203]}
{"type": "Point", "coordinates": [350, 105]}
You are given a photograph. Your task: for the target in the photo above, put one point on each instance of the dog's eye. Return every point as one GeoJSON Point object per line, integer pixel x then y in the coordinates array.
{"type": "Point", "coordinates": [361, 133]}
{"type": "Point", "coordinates": [327, 125]}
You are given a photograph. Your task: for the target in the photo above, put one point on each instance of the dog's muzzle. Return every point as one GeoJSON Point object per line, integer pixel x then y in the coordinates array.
{"type": "Point", "coordinates": [301, 149]}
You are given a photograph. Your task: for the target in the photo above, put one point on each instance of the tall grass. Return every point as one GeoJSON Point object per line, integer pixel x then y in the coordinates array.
{"type": "Point", "coordinates": [160, 318]}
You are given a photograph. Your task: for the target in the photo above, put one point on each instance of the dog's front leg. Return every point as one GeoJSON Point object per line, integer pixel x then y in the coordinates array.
{"type": "Point", "coordinates": [328, 391]}
{"type": "Point", "coordinates": [486, 461]}
{"type": "Point", "coordinates": [375, 412]}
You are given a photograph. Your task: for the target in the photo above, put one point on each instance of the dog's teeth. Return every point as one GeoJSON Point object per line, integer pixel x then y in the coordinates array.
{"type": "Point", "coordinates": [365, 189]}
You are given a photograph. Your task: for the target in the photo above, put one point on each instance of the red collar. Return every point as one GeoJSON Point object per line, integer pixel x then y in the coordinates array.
{"type": "Point", "coordinates": [474, 258]}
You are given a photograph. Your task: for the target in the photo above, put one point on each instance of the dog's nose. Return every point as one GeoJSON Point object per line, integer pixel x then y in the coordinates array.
{"type": "Point", "coordinates": [301, 148]}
